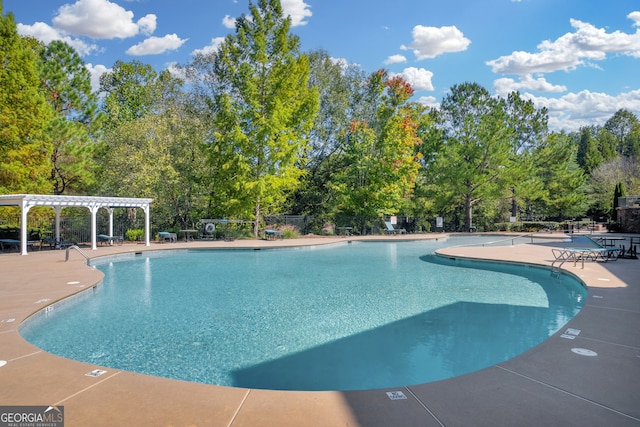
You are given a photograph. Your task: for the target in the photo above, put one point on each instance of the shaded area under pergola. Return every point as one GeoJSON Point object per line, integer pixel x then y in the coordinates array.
{"type": "Point", "coordinates": [93, 203]}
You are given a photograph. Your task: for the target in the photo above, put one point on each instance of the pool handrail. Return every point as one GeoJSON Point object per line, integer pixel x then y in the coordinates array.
{"type": "Point", "coordinates": [83, 253]}
{"type": "Point", "coordinates": [513, 238]}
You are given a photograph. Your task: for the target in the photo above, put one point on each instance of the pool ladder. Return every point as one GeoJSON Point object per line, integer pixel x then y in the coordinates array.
{"type": "Point", "coordinates": [555, 269]}
{"type": "Point", "coordinates": [83, 253]}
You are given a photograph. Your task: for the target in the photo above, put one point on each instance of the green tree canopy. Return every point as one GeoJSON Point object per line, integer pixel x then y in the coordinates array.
{"type": "Point", "coordinates": [589, 156]}
{"type": "Point", "coordinates": [129, 91]}
{"type": "Point", "coordinates": [155, 149]}
{"type": "Point", "coordinates": [67, 85]}
{"type": "Point", "coordinates": [336, 86]}
{"type": "Point", "coordinates": [624, 127]}
{"type": "Point", "coordinates": [472, 161]}
{"type": "Point", "coordinates": [263, 110]}
{"type": "Point", "coordinates": [563, 179]}
{"type": "Point", "coordinates": [24, 114]}
{"type": "Point", "coordinates": [378, 161]}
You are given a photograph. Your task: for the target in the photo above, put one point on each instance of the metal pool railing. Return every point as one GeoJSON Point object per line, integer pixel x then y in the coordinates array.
{"type": "Point", "coordinates": [531, 235]}
{"type": "Point", "coordinates": [83, 253]}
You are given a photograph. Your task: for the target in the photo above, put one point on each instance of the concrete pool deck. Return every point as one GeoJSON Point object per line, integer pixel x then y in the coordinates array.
{"type": "Point", "coordinates": [548, 385]}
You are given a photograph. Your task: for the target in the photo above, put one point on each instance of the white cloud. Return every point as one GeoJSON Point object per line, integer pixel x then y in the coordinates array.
{"type": "Point", "coordinates": [176, 70]}
{"type": "Point", "coordinates": [147, 24]}
{"type": "Point", "coordinates": [343, 63]}
{"type": "Point", "coordinates": [213, 47]}
{"type": "Point", "coordinates": [298, 10]}
{"type": "Point", "coordinates": [575, 110]}
{"type": "Point", "coordinates": [571, 50]}
{"type": "Point", "coordinates": [428, 101]}
{"type": "Point", "coordinates": [101, 19]}
{"type": "Point", "coordinates": [96, 72]}
{"type": "Point", "coordinates": [229, 22]}
{"type": "Point", "coordinates": [46, 34]}
{"type": "Point", "coordinates": [429, 42]}
{"type": "Point", "coordinates": [156, 45]}
{"type": "Point", "coordinates": [418, 78]}
{"type": "Point", "coordinates": [395, 59]}
{"type": "Point", "coordinates": [505, 85]}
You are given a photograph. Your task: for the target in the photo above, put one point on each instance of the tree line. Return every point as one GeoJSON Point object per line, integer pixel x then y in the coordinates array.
{"type": "Point", "coordinates": [260, 128]}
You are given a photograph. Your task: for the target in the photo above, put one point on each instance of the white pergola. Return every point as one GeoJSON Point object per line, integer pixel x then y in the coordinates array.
{"type": "Point", "coordinates": [27, 201]}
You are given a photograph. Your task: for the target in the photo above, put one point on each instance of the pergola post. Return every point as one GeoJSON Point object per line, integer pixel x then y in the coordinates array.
{"type": "Point", "coordinates": [23, 228]}
{"type": "Point", "coordinates": [147, 228]}
{"type": "Point", "coordinates": [110, 210]}
{"type": "Point", "coordinates": [94, 213]}
{"type": "Point", "coordinates": [58, 211]}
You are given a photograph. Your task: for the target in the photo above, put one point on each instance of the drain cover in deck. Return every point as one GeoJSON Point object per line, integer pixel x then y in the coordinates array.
{"type": "Point", "coordinates": [584, 352]}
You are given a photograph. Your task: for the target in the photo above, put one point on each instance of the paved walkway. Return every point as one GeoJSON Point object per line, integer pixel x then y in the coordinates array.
{"type": "Point", "coordinates": [548, 385]}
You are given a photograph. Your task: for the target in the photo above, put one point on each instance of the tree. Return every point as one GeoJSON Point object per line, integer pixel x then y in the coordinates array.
{"type": "Point", "coordinates": [153, 144]}
{"type": "Point", "coordinates": [528, 126]}
{"type": "Point", "coordinates": [378, 160]}
{"type": "Point", "coordinates": [563, 179]}
{"type": "Point", "coordinates": [336, 85]}
{"type": "Point", "coordinates": [264, 110]}
{"type": "Point", "coordinates": [604, 179]}
{"type": "Point", "coordinates": [67, 86]}
{"type": "Point", "coordinates": [624, 126]}
{"type": "Point", "coordinates": [588, 157]}
{"type": "Point", "coordinates": [477, 148]}
{"type": "Point", "coordinates": [129, 91]}
{"type": "Point", "coordinates": [617, 193]}
{"type": "Point", "coordinates": [24, 114]}
{"type": "Point", "coordinates": [606, 144]}
{"type": "Point", "coordinates": [528, 123]}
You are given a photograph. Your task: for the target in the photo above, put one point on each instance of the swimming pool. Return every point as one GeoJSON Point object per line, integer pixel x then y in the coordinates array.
{"type": "Point", "coordinates": [340, 317]}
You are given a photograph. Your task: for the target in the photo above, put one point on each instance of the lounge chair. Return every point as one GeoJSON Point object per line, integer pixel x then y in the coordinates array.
{"type": "Point", "coordinates": [575, 254]}
{"type": "Point", "coordinates": [273, 234]}
{"type": "Point", "coordinates": [391, 230]}
{"type": "Point", "coordinates": [52, 243]}
{"type": "Point", "coordinates": [14, 244]}
{"type": "Point", "coordinates": [164, 236]}
{"type": "Point", "coordinates": [109, 240]}
{"type": "Point", "coordinates": [9, 244]}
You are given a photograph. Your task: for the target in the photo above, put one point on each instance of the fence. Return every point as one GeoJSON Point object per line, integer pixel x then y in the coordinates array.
{"type": "Point", "coordinates": [309, 224]}
{"type": "Point", "coordinates": [629, 202]}
{"type": "Point", "coordinates": [72, 228]}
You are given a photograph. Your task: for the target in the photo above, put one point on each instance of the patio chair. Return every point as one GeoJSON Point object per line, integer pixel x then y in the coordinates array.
{"type": "Point", "coordinates": [164, 236]}
{"type": "Point", "coordinates": [9, 244]}
{"type": "Point", "coordinates": [109, 240]}
{"type": "Point", "coordinates": [391, 230]}
{"type": "Point", "coordinates": [273, 234]}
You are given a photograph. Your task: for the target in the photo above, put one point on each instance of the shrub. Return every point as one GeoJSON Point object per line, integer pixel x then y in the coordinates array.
{"type": "Point", "coordinates": [135, 234]}
{"type": "Point", "coordinates": [527, 226]}
{"type": "Point", "coordinates": [289, 231]}
{"type": "Point", "coordinates": [328, 229]}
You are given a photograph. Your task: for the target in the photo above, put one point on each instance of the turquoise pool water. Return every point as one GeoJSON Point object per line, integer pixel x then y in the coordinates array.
{"type": "Point", "coordinates": [340, 317]}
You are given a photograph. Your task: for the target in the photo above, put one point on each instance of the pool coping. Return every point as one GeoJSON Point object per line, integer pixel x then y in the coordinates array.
{"type": "Point", "coordinates": [548, 384]}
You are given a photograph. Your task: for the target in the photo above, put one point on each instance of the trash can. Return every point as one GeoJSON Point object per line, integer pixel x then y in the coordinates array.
{"type": "Point", "coordinates": [568, 228]}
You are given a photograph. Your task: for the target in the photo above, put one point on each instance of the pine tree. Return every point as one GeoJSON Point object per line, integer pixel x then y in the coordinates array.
{"type": "Point", "coordinates": [24, 114]}
{"type": "Point", "coordinates": [67, 85]}
{"type": "Point", "coordinates": [617, 193]}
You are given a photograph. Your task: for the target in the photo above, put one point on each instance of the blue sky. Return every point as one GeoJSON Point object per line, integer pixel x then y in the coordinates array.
{"type": "Point", "coordinates": [578, 58]}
